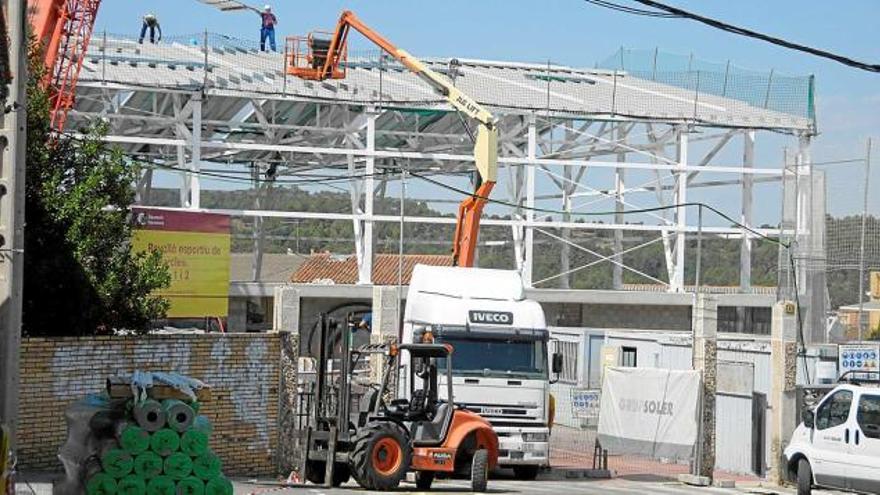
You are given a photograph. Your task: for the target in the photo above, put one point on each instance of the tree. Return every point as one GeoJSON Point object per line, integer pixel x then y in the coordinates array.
{"type": "Point", "coordinates": [81, 275]}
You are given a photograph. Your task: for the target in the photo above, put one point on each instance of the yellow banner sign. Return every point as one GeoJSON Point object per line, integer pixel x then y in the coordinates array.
{"type": "Point", "coordinates": [196, 248]}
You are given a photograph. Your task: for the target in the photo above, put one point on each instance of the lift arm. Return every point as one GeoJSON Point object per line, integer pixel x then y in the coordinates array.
{"type": "Point", "coordinates": [486, 142]}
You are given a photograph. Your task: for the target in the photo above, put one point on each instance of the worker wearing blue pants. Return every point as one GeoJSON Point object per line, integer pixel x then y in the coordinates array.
{"type": "Point", "coordinates": [151, 23]}
{"type": "Point", "coordinates": [267, 30]}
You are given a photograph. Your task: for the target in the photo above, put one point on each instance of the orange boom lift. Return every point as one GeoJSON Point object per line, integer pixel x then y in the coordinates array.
{"type": "Point", "coordinates": [321, 56]}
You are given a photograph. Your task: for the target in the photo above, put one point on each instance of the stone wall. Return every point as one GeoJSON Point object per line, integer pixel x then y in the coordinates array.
{"type": "Point", "coordinates": [243, 369]}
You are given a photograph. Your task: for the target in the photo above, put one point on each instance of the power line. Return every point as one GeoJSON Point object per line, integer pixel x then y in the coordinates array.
{"type": "Point", "coordinates": [763, 37]}
{"type": "Point", "coordinates": [629, 10]}
{"type": "Point", "coordinates": [711, 208]}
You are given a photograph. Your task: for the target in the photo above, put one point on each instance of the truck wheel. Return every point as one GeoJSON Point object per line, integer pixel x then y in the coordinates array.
{"type": "Point", "coordinates": [480, 470]}
{"type": "Point", "coordinates": [526, 473]}
{"type": "Point", "coordinates": [804, 478]}
{"type": "Point", "coordinates": [424, 480]}
{"type": "Point", "coordinates": [381, 456]}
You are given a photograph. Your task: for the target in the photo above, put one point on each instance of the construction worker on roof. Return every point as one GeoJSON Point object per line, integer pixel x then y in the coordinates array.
{"type": "Point", "coordinates": [151, 22]}
{"type": "Point", "coordinates": [267, 30]}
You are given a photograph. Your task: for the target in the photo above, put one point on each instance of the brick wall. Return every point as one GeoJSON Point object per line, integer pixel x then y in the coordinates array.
{"type": "Point", "coordinates": [243, 370]}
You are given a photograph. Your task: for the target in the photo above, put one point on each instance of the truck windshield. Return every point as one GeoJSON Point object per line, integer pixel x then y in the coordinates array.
{"type": "Point", "coordinates": [497, 357]}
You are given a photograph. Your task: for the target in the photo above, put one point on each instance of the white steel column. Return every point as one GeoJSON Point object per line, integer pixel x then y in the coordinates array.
{"type": "Point", "coordinates": [619, 206]}
{"type": "Point", "coordinates": [184, 183]}
{"type": "Point", "coordinates": [517, 231]}
{"type": "Point", "coordinates": [677, 282]}
{"type": "Point", "coordinates": [565, 249]}
{"type": "Point", "coordinates": [745, 253]}
{"type": "Point", "coordinates": [365, 265]}
{"type": "Point", "coordinates": [804, 201]}
{"type": "Point", "coordinates": [532, 153]}
{"type": "Point", "coordinates": [193, 184]}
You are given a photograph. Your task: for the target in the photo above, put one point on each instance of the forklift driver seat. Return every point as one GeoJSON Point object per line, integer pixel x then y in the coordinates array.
{"type": "Point", "coordinates": [431, 433]}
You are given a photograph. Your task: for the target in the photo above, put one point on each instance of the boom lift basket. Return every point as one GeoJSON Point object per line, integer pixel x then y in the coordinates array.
{"type": "Point", "coordinates": [307, 56]}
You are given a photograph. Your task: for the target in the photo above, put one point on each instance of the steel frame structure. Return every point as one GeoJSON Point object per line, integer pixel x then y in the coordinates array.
{"type": "Point", "coordinates": [189, 128]}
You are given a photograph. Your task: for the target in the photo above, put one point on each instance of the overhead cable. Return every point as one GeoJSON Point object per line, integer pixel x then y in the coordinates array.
{"type": "Point", "coordinates": [760, 36]}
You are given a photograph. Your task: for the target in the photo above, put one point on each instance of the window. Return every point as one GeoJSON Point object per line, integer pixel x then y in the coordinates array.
{"type": "Point", "coordinates": [505, 358]}
{"type": "Point", "coordinates": [628, 357]}
{"type": "Point", "coordinates": [834, 411]}
{"type": "Point", "coordinates": [569, 351]}
{"type": "Point", "coordinates": [868, 415]}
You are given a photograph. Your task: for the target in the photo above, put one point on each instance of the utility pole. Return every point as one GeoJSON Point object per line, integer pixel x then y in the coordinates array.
{"type": "Point", "coordinates": [12, 156]}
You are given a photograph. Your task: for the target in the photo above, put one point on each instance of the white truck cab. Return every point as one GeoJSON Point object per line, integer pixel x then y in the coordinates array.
{"type": "Point", "coordinates": [501, 365]}
{"type": "Point", "coordinates": [837, 445]}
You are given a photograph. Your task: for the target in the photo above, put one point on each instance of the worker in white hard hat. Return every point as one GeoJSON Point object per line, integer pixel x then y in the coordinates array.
{"type": "Point", "coordinates": [267, 30]}
{"type": "Point", "coordinates": [151, 22]}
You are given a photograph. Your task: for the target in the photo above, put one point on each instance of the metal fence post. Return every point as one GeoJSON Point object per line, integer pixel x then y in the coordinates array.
{"type": "Point", "coordinates": [726, 74]}
{"type": "Point", "coordinates": [862, 240]}
{"type": "Point", "coordinates": [104, 59]}
{"type": "Point", "coordinates": [205, 68]}
{"type": "Point", "coordinates": [284, 71]}
{"type": "Point", "coordinates": [614, 94]}
{"type": "Point", "coordinates": [769, 84]}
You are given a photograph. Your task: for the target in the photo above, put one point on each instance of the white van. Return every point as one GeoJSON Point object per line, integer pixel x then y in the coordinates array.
{"type": "Point", "coordinates": [838, 443]}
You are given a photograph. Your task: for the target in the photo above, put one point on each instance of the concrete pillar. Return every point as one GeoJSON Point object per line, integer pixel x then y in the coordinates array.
{"type": "Point", "coordinates": [386, 324]}
{"type": "Point", "coordinates": [705, 360]}
{"type": "Point", "coordinates": [783, 376]}
{"type": "Point", "coordinates": [285, 321]}
{"type": "Point", "coordinates": [237, 319]}
{"type": "Point", "coordinates": [285, 314]}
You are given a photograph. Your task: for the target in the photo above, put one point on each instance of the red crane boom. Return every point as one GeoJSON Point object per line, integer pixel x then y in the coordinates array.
{"type": "Point", "coordinates": [63, 28]}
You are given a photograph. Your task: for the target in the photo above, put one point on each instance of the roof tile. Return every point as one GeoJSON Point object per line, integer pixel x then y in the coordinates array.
{"type": "Point", "coordinates": [326, 268]}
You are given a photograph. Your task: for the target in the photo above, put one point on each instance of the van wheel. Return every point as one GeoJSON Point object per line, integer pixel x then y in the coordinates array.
{"type": "Point", "coordinates": [804, 478]}
{"type": "Point", "coordinates": [480, 470]}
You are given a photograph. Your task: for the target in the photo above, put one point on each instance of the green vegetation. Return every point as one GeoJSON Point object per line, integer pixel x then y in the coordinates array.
{"type": "Point", "coordinates": [720, 264]}
{"type": "Point", "coordinates": [80, 274]}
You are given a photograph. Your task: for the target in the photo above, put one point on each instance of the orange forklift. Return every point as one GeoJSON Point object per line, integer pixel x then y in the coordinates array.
{"type": "Point", "coordinates": [381, 439]}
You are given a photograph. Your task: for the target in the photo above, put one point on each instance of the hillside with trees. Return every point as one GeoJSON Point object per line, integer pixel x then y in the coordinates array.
{"type": "Point", "coordinates": [720, 264]}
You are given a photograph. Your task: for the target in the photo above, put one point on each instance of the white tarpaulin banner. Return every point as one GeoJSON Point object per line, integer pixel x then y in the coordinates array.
{"type": "Point", "coordinates": [649, 411]}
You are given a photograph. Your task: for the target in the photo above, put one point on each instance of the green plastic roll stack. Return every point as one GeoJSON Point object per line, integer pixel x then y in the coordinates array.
{"type": "Point", "coordinates": [172, 458]}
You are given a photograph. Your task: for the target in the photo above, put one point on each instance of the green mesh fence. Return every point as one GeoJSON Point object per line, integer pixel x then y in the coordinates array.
{"type": "Point", "coordinates": [631, 83]}
{"type": "Point", "coordinates": [792, 95]}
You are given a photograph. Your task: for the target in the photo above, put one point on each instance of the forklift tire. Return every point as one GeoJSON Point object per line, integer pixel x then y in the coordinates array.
{"type": "Point", "coordinates": [381, 456]}
{"type": "Point", "coordinates": [480, 470]}
{"type": "Point", "coordinates": [315, 471]}
{"type": "Point", "coordinates": [424, 480]}
{"type": "Point", "coordinates": [525, 473]}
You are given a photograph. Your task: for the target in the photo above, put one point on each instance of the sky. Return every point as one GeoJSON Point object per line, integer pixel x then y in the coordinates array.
{"type": "Point", "coordinates": [576, 33]}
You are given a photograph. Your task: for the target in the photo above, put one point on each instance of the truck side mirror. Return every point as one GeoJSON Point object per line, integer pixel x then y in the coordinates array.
{"type": "Point", "coordinates": [808, 418]}
{"type": "Point", "coordinates": [557, 363]}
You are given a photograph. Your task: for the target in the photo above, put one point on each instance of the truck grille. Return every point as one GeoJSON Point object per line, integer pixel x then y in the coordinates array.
{"type": "Point", "coordinates": [504, 415]}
